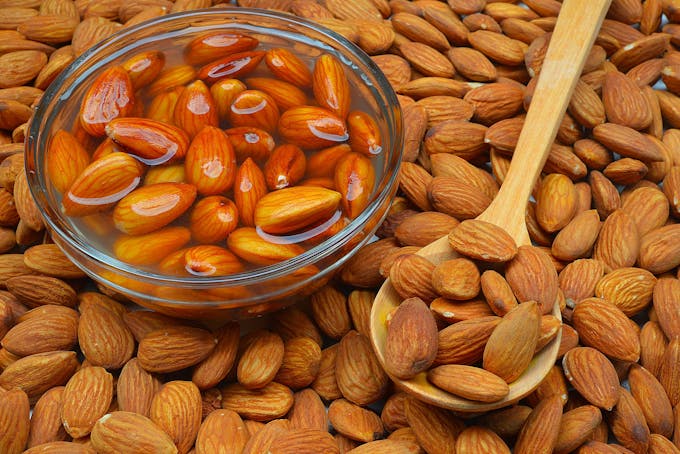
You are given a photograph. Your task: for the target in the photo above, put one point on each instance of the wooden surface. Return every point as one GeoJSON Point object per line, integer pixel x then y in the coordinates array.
{"type": "Point", "coordinates": [577, 26]}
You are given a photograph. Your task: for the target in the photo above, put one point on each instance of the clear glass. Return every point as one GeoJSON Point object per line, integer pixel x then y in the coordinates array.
{"type": "Point", "coordinates": [239, 295]}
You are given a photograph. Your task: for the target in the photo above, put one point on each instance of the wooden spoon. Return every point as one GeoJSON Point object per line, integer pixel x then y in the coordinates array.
{"type": "Point", "coordinates": [574, 34]}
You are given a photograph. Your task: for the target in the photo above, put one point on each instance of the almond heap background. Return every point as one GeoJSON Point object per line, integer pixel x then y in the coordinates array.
{"type": "Point", "coordinates": [102, 378]}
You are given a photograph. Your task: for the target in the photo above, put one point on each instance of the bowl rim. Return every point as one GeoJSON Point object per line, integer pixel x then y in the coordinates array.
{"type": "Point", "coordinates": [37, 140]}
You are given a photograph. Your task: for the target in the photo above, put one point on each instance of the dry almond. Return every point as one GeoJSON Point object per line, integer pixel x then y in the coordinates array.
{"type": "Point", "coordinates": [469, 382]}
{"type": "Point", "coordinates": [57, 330]}
{"type": "Point", "coordinates": [46, 423]}
{"type": "Point", "coordinates": [264, 404]}
{"type": "Point", "coordinates": [512, 343]}
{"type": "Point", "coordinates": [481, 240]}
{"type": "Point", "coordinates": [435, 429]}
{"type": "Point", "coordinates": [629, 288]}
{"type": "Point", "coordinates": [618, 244]}
{"type": "Point", "coordinates": [532, 277]}
{"type": "Point", "coordinates": [576, 239]}
{"type": "Point", "coordinates": [86, 398]}
{"type": "Point", "coordinates": [222, 430]}
{"type": "Point", "coordinates": [668, 371]}
{"type": "Point", "coordinates": [124, 432]}
{"type": "Point", "coordinates": [14, 421]}
{"type": "Point", "coordinates": [403, 357]}
{"type": "Point", "coordinates": [35, 374]}
{"type": "Point", "coordinates": [355, 422]}
{"type": "Point", "coordinates": [359, 376]}
{"type": "Point", "coordinates": [104, 338]}
{"type": "Point", "coordinates": [627, 423]}
{"type": "Point", "coordinates": [602, 325]}
{"type": "Point", "coordinates": [659, 250]}
{"type": "Point", "coordinates": [136, 388]}
{"type": "Point", "coordinates": [652, 399]}
{"type": "Point", "coordinates": [541, 429]}
{"type": "Point", "coordinates": [411, 276]}
{"type": "Point", "coordinates": [176, 409]}
{"type": "Point", "coordinates": [174, 348]}
{"type": "Point", "coordinates": [308, 411]}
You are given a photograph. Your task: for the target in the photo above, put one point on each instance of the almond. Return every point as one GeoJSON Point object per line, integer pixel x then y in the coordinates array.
{"type": "Point", "coordinates": [541, 429]}
{"type": "Point", "coordinates": [354, 421]}
{"type": "Point", "coordinates": [86, 398]}
{"type": "Point", "coordinates": [576, 427]}
{"type": "Point", "coordinates": [124, 432]}
{"type": "Point", "coordinates": [658, 249]}
{"type": "Point", "coordinates": [215, 367]}
{"type": "Point", "coordinates": [404, 358]}
{"type": "Point", "coordinates": [435, 429]}
{"type": "Point", "coordinates": [293, 208]}
{"type": "Point", "coordinates": [312, 127]}
{"type": "Point", "coordinates": [464, 342]}
{"type": "Point", "coordinates": [50, 260]}
{"type": "Point", "coordinates": [359, 376]}
{"type": "Point", "coordinates": [602, 325]}
{"type": "Point", "coordinates": [41, 290]}
{"type": "Point", "coordinates": [456, 279]}
{"type": "Point", "coordinates": [35, 374]}
{"type": "Point", "coordinates": [629, 288]}
{"type": "Point", "coordinates": [264, 404]}
{"type": "Point", "coordinates": [355, 179]}
{"type": "Point", "coordinates": [221, 430]}
{"type": "Point", "coordinates": [627, 423]}
{"type": "Point", "coordinates": [254, 108]}
{"type": "Point", "coordinates": [330, 85]}
{"type": "Point", "coordinates": [176, 409]}
{"type": "Point", "coordinates": [287, 66]}
{"type": "Point", "coordinates": [232, 66]}
{"type": "Point", "coordinates": [249, 187]}
{"type": "Point", "coordinates": [532, 277]}
{"type": "Point", "coordinates": [136, 388]}
{"type": "Point", "coordinates": [576, 239]}
{"type": "Point", "coordinates": [109, 178]}
{"type": "Point", "coordinates": [618, 244]}
{"type": "Point", "coordinates": [56, 330]}
{"type": "Point", "coordinates": [174, 348]}
{"type": "Point", "coordinates": [308, 411]}
{"type": "Point", "coordinates": [210, 163]}
{"type": "Point", "coordinates": [14, 421]}
{"type": "Point", "coordinates": [110, 96]}
{"type": "Point", "coordinates": [668, 371]}
{"type": "Point", "coordinates": [652, 399]}
{"type": "Point", "coordinates": [593, 375]}
{"type": "Point", "coordinates": [512, 343]}
{"type": "Point", "coordinates": [261, 360]}
{"type": "Point", "coordinates": [304, 441]}
{"type": "Point", "coordinates": [329, 309]}
{"type": "Point", "coordinates": [411, 276]}
{"type": "Point", "coordinates": [469, 382]}
{"type": "Point", "coordinates": [262, 440]}
{"type": "Point", "coordinates": [624, 102]}
{"type": "Point", "coordinates": [46, 423]}
{"type": "Point", "coordinates": [151, 141]}
{"type": "Point", "coordinates": [104, 338]}
{"type": "Point", "coordinates": [481, 240]}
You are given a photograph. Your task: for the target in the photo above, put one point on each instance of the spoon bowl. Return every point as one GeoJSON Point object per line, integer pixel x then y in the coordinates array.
{"type": "Point", "coordinates": [572, 39]}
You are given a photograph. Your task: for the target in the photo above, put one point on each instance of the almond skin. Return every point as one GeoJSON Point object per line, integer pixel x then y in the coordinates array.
{"type": "Point", "coordinates": [404, 358]}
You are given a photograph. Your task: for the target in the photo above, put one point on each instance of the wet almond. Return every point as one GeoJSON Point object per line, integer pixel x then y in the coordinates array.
{"type": "Point", "coordinates": [152, 207]}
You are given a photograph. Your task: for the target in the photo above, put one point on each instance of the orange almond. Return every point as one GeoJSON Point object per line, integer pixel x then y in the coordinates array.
{"type": "Point", "coordinates": [152, 207]}
{"type": "Point", "coordinates": [110, 96]}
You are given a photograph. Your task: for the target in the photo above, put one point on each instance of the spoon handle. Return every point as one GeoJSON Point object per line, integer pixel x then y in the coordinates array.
{"type": "Point", "coordinates": [577, 26]}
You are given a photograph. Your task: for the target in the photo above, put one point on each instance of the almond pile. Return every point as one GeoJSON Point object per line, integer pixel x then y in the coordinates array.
{"type": "Point", "coordinates": [100, 377]}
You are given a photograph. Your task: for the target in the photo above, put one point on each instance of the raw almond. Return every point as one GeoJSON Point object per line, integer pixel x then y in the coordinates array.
{"type": "Point", "coordinates": [125, 433]}
{"type": "Point", "coordinates": [174, 348]}
{"type": "Point", "coordinates": [86, 398]}
{"type": "Point", "coordinates": [176, 409]}
{"type": "Point", "coordinates": [14, 421]}
{"type": "Point", "coordinates": [593, 375]}
{"type": "Point", "coordinates": [512, 343]}
{"type": "Point", "coordinates": [104, 338]}
{"type": "Point", "coordinates": [403, 357]}
{"type": "Point", "coordinates": [359, 376]}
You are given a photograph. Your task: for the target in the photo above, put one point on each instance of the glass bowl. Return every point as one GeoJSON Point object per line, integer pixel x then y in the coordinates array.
{"type": "Point", "coordinates": [246, 293]}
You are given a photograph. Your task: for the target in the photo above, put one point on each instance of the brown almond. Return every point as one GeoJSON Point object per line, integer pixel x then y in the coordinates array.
{"type": "Point", "coordinates": [482, 240]}
{"type": "Point", "coordinates": [404, 358]}
{"type": "Point", "coordinates": [593, 376]}
{"type": "Point", "coordinates": [533, 277]}
{"type": "Point", "coordinates": [174, 348]}
{"type": "Point", "coordinates": [604, 326]}
{"type": "Point", "coordinates": [176, 409]}
{"type": "Point", "coordinates": [104, 338]}
{"type": "Point", "coordinates": [512, 343]}
{"type": "Point", "coordinates": [86, 398]}
{"type": "Point", "coordinates": [359, 376]}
